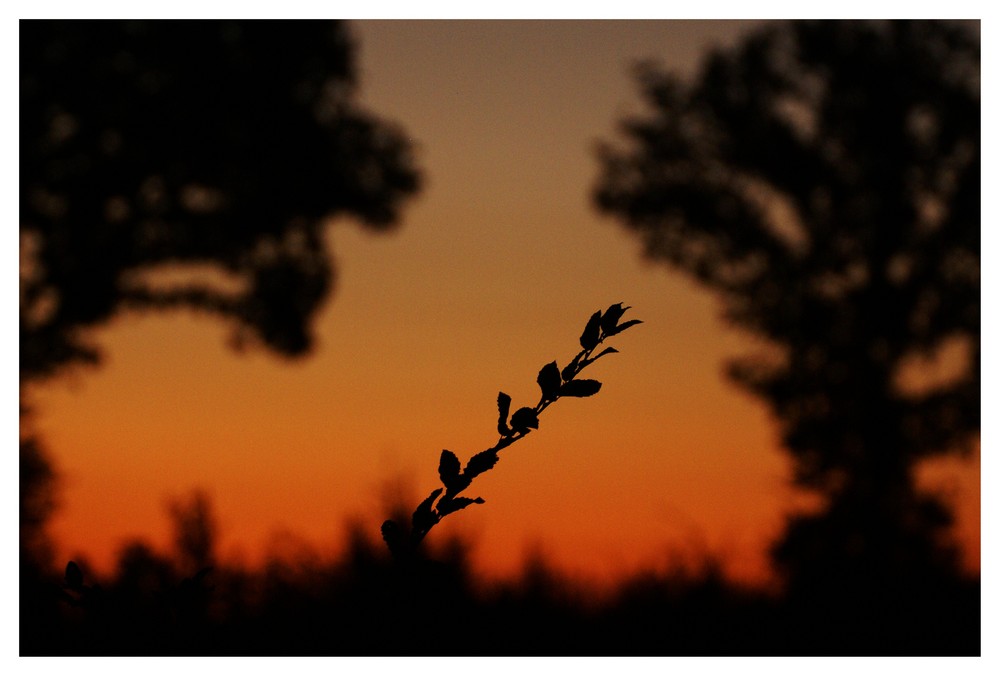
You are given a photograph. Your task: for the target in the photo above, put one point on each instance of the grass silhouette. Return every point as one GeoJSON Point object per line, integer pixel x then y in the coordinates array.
{"type": "Point", "coordinates": [364, 603]}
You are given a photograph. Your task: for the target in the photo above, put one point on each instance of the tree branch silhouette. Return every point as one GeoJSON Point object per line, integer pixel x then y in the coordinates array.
{"type": "Point", "coordinates": [554, 384]}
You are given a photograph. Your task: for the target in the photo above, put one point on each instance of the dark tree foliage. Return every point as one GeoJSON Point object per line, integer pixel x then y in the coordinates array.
{"type": "Point", "coordinates": [36, 501]}
{"type": "Point", "coordinates": [218, 144]}
{"type": "Point", "coordinates": [824, 179]}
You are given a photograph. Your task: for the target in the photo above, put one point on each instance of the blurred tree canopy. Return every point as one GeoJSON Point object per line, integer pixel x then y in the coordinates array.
{"type": "Point", "coordinates": [824, 179]}
{"type": "Point", "coordinates": [218, 148]}
{"type": "Point", "coordinates": [218, 145]}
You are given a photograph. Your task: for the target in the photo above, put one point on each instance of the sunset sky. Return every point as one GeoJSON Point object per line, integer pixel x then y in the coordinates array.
{"type": "Point", "coordinates": [492, 272]}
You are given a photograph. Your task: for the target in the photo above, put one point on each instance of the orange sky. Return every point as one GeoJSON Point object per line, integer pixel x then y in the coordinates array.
{"type": "Point", "coordinates": [493, 272]}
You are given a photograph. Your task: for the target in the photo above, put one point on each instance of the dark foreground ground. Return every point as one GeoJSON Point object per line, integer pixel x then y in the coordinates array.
{"type": "Point", "coordinates": [367, 605]}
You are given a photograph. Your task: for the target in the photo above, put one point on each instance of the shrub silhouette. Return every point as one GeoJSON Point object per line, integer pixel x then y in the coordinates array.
{"type": "Point", "coordinates": [404, 541]}
{"type": "Point", "coordinates": [365, 603]}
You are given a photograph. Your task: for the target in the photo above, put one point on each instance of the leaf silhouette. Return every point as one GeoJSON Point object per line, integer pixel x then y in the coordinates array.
{"type": "Point", "coordinates": [549, 380]}
{"type": "Point", "coordinates": [448, 469]}
{"type": "Point", "coordinates": [580, 388]}
{"type": "Point", "coordinates": [423, 516]}
{"type": "Point", "coordinates": [621, 327]}
{"type": "Point", "coordinates": [480, 463]}
{"type": "Point", "coordinates": [610, 319]}
{"type": "Point", "coordinates": [592, 332]}
{"type": "Point", "coordinates": [571, 368]}
{"type": "Point", "coordinates": [523, 419]}
{"type": "Point", "coordinates": [503, 407]}
{"type": "Point", "coordinates": [607, 350]}
{"type": "Point", "coordinates": [449, 504]}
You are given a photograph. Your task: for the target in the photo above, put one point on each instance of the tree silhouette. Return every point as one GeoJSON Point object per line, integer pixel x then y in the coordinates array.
{"type": "Point", "coordinates": [824, 179]}
{"type": "Point", "coordinates": [218, 144]}
{"type": "Point", "coordinates": [221, 146]}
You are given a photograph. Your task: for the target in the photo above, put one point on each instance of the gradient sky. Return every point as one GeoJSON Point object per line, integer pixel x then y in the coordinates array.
{"type": "Point", "coordinates": [493, 272]}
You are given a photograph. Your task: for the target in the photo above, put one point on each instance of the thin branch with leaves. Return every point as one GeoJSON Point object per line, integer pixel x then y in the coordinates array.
{"type": "Point", "coordinates": [554, 384]}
